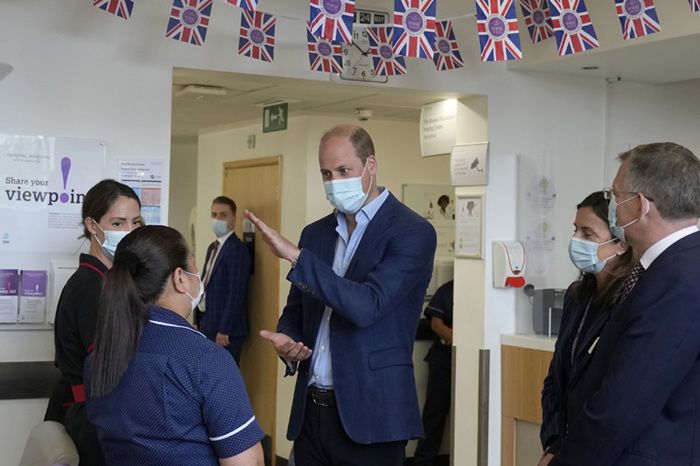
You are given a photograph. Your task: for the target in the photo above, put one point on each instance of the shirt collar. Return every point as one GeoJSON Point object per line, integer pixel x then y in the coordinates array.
{"type": "Point", "coordinates": [369, 210]}
{"type": "Point", "coordinates": [660, 246]}
{"type": "Point", "coordinates": [222, 239]}
{"type": "Point", "coordinates": [93, 261]}
{"type": "Point", "coordinates": [161, 315]}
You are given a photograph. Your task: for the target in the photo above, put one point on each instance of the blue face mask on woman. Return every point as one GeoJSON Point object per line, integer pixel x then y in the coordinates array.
{"type": "Point", "coordinates": [112, 239]}
{"type": "Point", "coordinates": [584, 255]}
{"type": "Point", "coordinates": [346, 195]}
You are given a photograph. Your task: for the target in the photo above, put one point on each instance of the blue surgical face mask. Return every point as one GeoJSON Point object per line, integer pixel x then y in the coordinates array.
{"type": "Point", "coordinates": [112, 239]}
{"type": "Point", "coordinates": [347, 195]}
{"type": "Point", "coordinates": [584, 255]}
{"type": "Point", "coordinates": [619, 230]}
{"type": "Point", "coordinates": [220, 227]}
{"type": "Point", "coordinates": [194, 301]}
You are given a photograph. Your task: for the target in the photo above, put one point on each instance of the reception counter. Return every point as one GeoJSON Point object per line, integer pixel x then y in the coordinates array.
{"type": "Point", "coordinates": [524, 364]}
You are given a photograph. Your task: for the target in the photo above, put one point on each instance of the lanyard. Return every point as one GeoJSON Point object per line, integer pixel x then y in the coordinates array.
{"type": "Point", "coordinates": [578, 332]}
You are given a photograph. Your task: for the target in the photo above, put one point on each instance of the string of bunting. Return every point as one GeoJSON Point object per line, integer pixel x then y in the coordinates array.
{"type": "Point", "coordinates": [415, 32]}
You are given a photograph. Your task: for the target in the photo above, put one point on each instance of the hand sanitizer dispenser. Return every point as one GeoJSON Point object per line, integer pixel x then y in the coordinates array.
{"type": "Point", "coordinates": [508, 264]}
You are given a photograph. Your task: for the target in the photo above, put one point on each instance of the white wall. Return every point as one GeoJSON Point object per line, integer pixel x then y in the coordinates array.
{"type": "Point", "coordinates": [183, 198]}
{"type": "Point", "coordinates": [639, 114]}
{"type": "Point", "coordinates": [80, 72]}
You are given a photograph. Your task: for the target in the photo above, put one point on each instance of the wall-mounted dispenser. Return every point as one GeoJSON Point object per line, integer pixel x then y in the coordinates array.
{"type": "Point", "coordinates": [508, 264]}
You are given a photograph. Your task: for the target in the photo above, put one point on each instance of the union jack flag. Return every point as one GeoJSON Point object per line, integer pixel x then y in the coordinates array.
{"type": "Point", "coordinates": [324, 55]}
{"type": "Point", "coordinates": [694, 5]}
{"type": "Point", "coordinates": [498, 30]}
{"type": "Point", "coordinates": [332, 19]}
{"type": "Point", "coordinates": [537, 19]}
{"type": "Point", "coordinates": [414, 28]}
{"type": "Point", "coordinates": [250, 5]}
{"type": "Point", "coordinates": [380, 48]}
{"type": "Point", "coordinates": [121, 8]}
{"type": "Point", "coordinates": [637, 18]}
{"type": "Point", "coordinates": [446, 55]}
{"type": "Point", "coordinates": [257, 35]}
{"type": "Point", "coordinates": [189, 20]}
{"type": "Point", "coordinates": [572, 26]}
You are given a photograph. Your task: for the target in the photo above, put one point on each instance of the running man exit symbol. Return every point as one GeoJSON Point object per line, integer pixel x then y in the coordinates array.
{"type": "Point", "coordinates": [275, 118]}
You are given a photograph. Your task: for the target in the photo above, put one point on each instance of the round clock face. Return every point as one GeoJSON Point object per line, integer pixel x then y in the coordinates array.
{"type": "Point", "coordinates": [357, 61]}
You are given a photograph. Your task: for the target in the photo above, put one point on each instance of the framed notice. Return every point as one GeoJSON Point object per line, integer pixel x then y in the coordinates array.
{"type": "Point", "coordinates": [469, 164]}
{"type": "Point", "coordinates": [469, 228]}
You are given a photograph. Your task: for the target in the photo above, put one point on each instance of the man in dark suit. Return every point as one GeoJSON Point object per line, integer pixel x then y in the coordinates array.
{"type": "Point", "coordinates": [642, 383]}
{"type": "Point", "coordinates": [358, 280]}
{"type": "Point", "coordinates": [223, 312]}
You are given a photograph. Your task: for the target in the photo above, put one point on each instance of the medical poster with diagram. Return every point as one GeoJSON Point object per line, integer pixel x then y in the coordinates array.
{"type": "Point", "coordinates": [43, 181]}
{"type": "Point", "coordinates": [437, 204]}
{"type": "Point", "coordinates": [145, 177]}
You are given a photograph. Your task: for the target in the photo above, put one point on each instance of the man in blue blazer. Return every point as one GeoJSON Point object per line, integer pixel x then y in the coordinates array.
{"type": "Point", "coordinates": [642, 382]}
{"type": "Point", "coordinates": [359, 277]}
{"type": "Point", "coordinates": [224, 307]}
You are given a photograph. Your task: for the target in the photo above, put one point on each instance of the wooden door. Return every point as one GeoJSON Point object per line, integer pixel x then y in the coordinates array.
{"type": "Point", "coordinates": [255, 185]}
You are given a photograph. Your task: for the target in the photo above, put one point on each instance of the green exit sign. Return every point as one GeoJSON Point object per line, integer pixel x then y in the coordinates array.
{"type": "Point", "coordinates": [275, 118]}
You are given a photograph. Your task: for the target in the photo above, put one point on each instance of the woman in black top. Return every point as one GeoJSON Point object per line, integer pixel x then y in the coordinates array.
{"type": "Point", "coordinates": [606, 264]}
{"type": "Point", "coordinates": [110, 211]}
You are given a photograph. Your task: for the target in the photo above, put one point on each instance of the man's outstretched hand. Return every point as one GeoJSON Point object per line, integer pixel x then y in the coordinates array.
{"type": "Point", "coordinates": [287, 349]}
{"type": "Point", "coordinates": [281, 246]}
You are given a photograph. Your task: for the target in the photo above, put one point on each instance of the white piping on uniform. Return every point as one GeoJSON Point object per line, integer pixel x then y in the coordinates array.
{"type": "Point", "coordinates": [233, 432]}
{"type": "Point", "coordinates": [178, 326]}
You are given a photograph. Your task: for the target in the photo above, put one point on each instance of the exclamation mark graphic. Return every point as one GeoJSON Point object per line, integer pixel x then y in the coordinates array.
{"type": "Point", "coordinates": [65, 169]}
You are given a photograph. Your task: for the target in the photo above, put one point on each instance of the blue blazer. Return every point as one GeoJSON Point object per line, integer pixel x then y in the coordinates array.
{"type": "Point", "coordinates": [643, 381]}
{"type": "Point", "coordinates": [376, 308]}
{"type": "Point", "coordinates": [227, 291]}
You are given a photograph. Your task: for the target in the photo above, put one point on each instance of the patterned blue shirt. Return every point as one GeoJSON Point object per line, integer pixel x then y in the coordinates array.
{"type": "Point", "coordinates": [181, 401]}
{"type": "Point", "coordinates": [345, 247]}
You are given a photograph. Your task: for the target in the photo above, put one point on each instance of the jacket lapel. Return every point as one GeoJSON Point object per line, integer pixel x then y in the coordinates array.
{"type": "Point", "coordinates": [376, 228]}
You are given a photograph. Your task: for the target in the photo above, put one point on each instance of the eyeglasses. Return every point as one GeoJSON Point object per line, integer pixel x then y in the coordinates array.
{"type": "Point", "coordinates": [608, 194]}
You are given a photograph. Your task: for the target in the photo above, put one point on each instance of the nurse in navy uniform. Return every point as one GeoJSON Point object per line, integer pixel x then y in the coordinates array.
{"type": "Point", "coordinates": [158, 391]}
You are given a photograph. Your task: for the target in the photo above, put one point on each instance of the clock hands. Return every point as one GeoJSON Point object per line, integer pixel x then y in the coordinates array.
{"type": "Point", "coordinates": [361, 51]}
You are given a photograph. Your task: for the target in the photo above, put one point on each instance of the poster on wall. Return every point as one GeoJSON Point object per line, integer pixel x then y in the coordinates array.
{"type": "Point", "coordinates": [145, 177]}
{"type": "Point", "coordinates": [43, 181]}
{"type": "Point", "coordinates": [435, 202]}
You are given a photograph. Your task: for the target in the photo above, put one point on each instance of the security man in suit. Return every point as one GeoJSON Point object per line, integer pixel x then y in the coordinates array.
{"type": "Point", "coordinates": [358, 280]}
{"type": "Point", "coordinates": [223, 312]}
{"type": "Point", "coordinates": [643, 381]}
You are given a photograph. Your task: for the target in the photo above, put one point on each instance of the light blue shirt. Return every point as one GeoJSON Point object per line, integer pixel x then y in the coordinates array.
{"type": "Point", "coordinates": [345, 247]}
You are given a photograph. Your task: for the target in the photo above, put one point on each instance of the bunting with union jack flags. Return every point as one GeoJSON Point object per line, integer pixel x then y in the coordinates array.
{"type": "Point", "coordinates": [384, 60]}
{"type": "Point", "coordinates": [324, 55]}
{"type": "Point", "coordinates": [250, 5]}
{"type": "Point", "coordinates": [637, 17]}
{"type": "Point", "coordinates": [414, 28]}
{"type": "Point", "coordinates": [332, 19]}
{"type": "Point", "coordinates": [189, 21]}
{"type": "Point", "coordinates": [694, 5]}
{"type": "Point", "coordinates": [257, 35]}
{"type": "Point", "coordinates": [537, 19]}
{"type": "Point", "coordinates": [121, 8]}
{"type": "Point", "coordinates": [572, 26]}
{"type": "Point", "coordinates": [497, 24]}
{"type": "Point", "coordinates": [447, 56]}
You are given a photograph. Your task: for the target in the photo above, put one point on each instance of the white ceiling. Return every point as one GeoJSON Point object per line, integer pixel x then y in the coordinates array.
{"type": "Point", "coordinates": [246, 93]}
{"type": "Point", "coordinates": [669, 56]}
